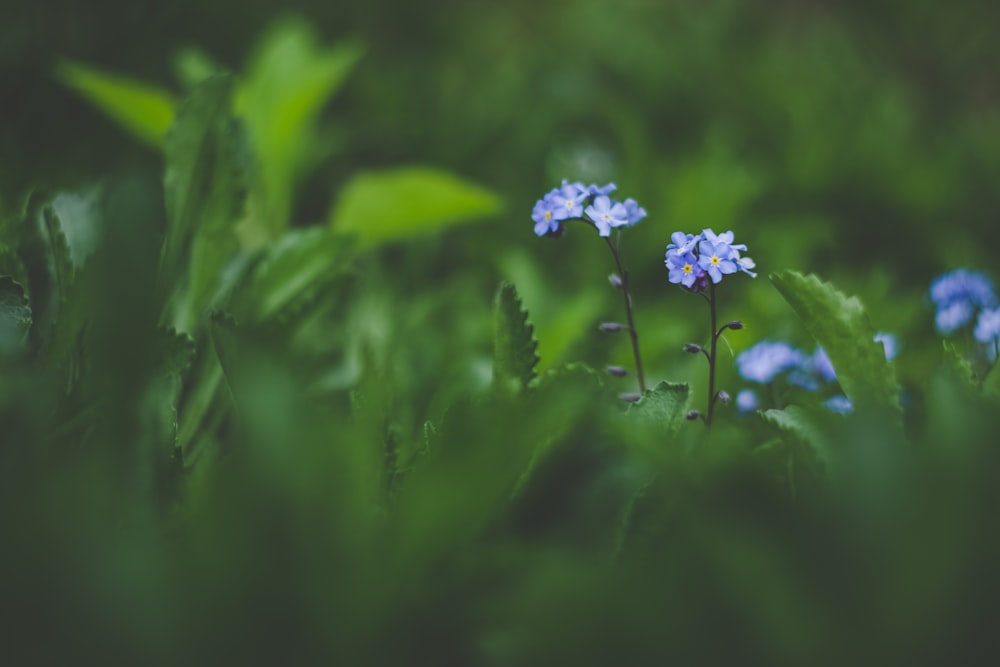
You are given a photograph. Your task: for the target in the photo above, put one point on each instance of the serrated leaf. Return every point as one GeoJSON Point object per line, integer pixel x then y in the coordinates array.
{"type": "Point", "coordinates": [803, 425]}
{"type": "Point", "coordinates": [200, 188]}
{"type": "Point", "coordinates": [290, 80]}
{"type": "Point", "coordinates": [665, 405]}
{"type": "Point", "coordinates": [514, 345]}
{"type": "Point", "coordinates": [15, 311]}
{"type": "Point", "coordinates": [144, 110]}
{"type": "Point", "coordinates": [395, 204]}
{"type": "Point", "coordinates": [839, 323]}
{"type": "Point", "coordinates": [292, 268]}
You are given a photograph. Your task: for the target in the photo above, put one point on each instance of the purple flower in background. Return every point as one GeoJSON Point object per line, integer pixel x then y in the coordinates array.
{"type": "Point", "coordinates": [765, 360]}
{"type": "Point", "coordinates": [606, 214]}
{"type": "Point", "coordinates": [821, 363]}
{"type": "Point", "coordinates": [988, 326]}
{"type": "Point", "coordinates": [747, 400]}
{"type": "Point", "coordinates": [890, 344]}
{"type": "Point", "coordinates": [839, 404]}
{"type": "Point", "coordinates": [957, 295]}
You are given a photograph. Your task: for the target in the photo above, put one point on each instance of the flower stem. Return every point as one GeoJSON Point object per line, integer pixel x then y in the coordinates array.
{"type": "Point", "coordinates": [616, 253]}
{"type": "Point", "coordinates": [711, 356]}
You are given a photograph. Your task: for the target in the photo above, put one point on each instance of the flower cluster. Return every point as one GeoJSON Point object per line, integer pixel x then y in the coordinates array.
{"type": "Point", "coordinates": [694, 259]}
{"type": "Point", "coordinates": [960, 296]}
{"type": "Point", "coordinates": [771, 361]}
{"type": "Point", "coordinates": [590, 203]}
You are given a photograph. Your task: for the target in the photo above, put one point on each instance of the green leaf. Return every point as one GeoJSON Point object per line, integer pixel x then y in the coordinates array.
{"type": "Point", "coordinates": [839, 323]}
{"type": "Point", "coordinates": [514, 345]}
{"type": "Point", "coordinates": [302, 261]}
{"type": "Point", "coordinates": [289, 82]}
{"type": "Point", "coordinates": [202, 187]}
{"type": "Point", "coordinates": [396, 204]}
{"type": "Point", "coordinates": [802, 424]}
{"type": "Point", "coordinates": [665, 405]}
{"type": "Point", "coordinates": [12, 267]}
{"type": "Point", "coordinates": [15, 312]}
{"type": "Point", "coordinates": [144, 110]}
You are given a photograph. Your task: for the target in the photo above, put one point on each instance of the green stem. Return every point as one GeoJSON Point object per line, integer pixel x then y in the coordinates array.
{"type": "Point", "coordinates": [711, 356]}
{"type": "Point", "coordinates": [616, 253]}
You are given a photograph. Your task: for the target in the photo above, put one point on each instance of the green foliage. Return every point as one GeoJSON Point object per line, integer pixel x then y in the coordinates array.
{"type": "Point", "coordinates": [15, 312]}
{"type": "Point", "coordinates": [144, 110]}
{"type": "Point", "coordinates": [665, 405]}
{"type": "Point", "coordinates": [840, 324]}
{"type": "Point", "coordinates": [398, 204]}
{"type": "Point", "coordinates": [289, 81]}
{"type": "Point", "coordinates": [514, 344]}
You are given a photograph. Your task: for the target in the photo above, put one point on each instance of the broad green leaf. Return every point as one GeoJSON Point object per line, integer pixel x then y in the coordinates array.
{"type": "Point", "coordinates": [15, 313]}
{"type": "Point", "coordinates": [202, 186]}
{"type": "Point", "coordinates": [299, 263]}
{"type": "Point", "coordinates": [839, 323]}
{"type": "Point", "coordinates": [803, 425]}
{"type": "Point", "coordinates": [290, 80]}
{"type": "Point", "coordinates": [395, 204]}
{"type": "Point", "coordinates": [665, 405]}
{"type": "Point", "coordinates": [514, 344]}
{"type": "Point", "coordinates": [144, 110]}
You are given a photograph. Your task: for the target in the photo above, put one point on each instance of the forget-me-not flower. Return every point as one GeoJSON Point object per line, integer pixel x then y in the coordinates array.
{"type": "Point", "coordinates": [988, 326]}
{"type": "Point", "coordinates": [544, 215]}
{"type": "Point", "coordinates": [715, 258]}
{"type": "Point", "coordinates": [683, 268]}
{"type": "Point", "coordinates": [767, 359]}
{"type": "Point", "coordinates": [607, 214]}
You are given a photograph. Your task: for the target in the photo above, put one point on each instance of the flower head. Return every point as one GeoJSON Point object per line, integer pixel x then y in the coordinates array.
{"type": "Point", "coordinates": [683, 268]}
{"type": "Point", "coordinates": [957, 295]}
{"type": "Point", "coordinates": [633, 211]}
{"type": "Point", "coordinates": [716, 259]}
{"type": "Point", "coordinates": [715, 254]}
{"type": "Point", "coordinates": [568, 201]}
{"type": "Point", "coordinates": [606, 214]}
{"type": "Point", "coordinates": [988, 326]}
{"type": "Point", "coordinates": [544, 215]}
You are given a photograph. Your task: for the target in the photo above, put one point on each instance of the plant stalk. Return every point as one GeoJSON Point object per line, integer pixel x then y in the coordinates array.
{"type": "Point", "coordinates": [616, 253]}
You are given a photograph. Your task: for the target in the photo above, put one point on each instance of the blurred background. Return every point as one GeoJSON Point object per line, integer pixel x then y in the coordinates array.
{"type": "Point", "coordinates": [859, 140]}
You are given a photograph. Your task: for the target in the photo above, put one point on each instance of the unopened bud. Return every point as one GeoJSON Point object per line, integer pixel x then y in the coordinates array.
{"type": "Point", "coordinates": [691, 348]}
{"type": "Point", "coordinates": [617, 371]}
{"type": "Point", "coordinates": [724, 397]}
{"type": "Point", "coordinates": [694, 414]}
{"type": "Point", "coordinates": [615, 280]}
{"type": "Point", "coordinates": [610, 327]}
{"type": "Point", "coordinates": [630, 396]}
{"type": "Point", "coordinates": [735, 325]}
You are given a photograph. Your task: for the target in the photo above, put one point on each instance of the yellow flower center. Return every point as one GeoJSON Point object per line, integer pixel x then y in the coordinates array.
{"type": "Point", "coordinates": [688, 268]}
{"type": "Point", "coordinates": [548, 216]}
{"type": "Point", "coordinates": [715, 261]}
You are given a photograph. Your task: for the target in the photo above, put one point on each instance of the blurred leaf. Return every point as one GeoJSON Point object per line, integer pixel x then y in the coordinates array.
{"type": "Point", "coordinates": [804, 426]}
{"type": "Point", "coordinates": [840, 324]}
{"type": "Point", "coordinates": [202, 187]}
{"type": "Point", "coordinates": [396, 204]}
{"type": "Point", "coordinates": [12, 267]}
{"type": "Point", "coordinates": [289, 81]}
{"type": "Point", "coordinates": [291, 270]}
{"type": "Point", "coordinates": [144, 110]}
{"type": "Point", "coordinates": [665, 405]}
{"type": "Point", "coordinates": [15, 313]}
{"type": "Point", "coordinates": [193, 66]}
{"type": "Point", "coordinates": [514, 345]}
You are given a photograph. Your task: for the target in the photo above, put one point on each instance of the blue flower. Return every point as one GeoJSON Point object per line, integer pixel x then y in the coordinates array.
{"type": "Point", "coordinates": [568, 201]}
{"type": "Point", "coordinates": [890, 344]}
{"type": "Point", "coordinates": [606, 214]}
{"type": "Point", "coordinates": [683, 268]}
{"type": "Point", "coordinates": [594, 189]}
{"type": "Point", "coordinates": [821, 363]}
{"type": "Point", "coordinates": [839, 404]}
{"type": "Point", "coordinates": [633, 211]}
{"type": "Point", "coordinates": [765, 360]}
{"type": "Point", "coordinates": [716, 259]}
{"type": "Point", "coordinates": [957, 296]}
{"type": "Point", "coordinates": [747, 400]}
{"type": "Point", "coordinates": [544, 215]}
{"type": "Point", "coordinates": [682, 243]}
{"type": "Point", "coordinates": [988, 326]}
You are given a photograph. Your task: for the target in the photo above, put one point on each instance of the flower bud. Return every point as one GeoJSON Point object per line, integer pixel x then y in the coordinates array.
{"type": "Point", "coordinates": [617, 371]}
{"type": "Point", "coordinates": [694, 414]}
{"type": "Point", "coordinates": [610, 327]}
{"type": "Point", "coordinates": [630, 396]}
{"type": "Point", "coordinates": [615, 280]}
{"type": "Point", "coordinates": [735, 325]}
{"type": "Point", "coordinates": [724, 397]}
{"type": "Point", "coordinates": [691, 348]}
